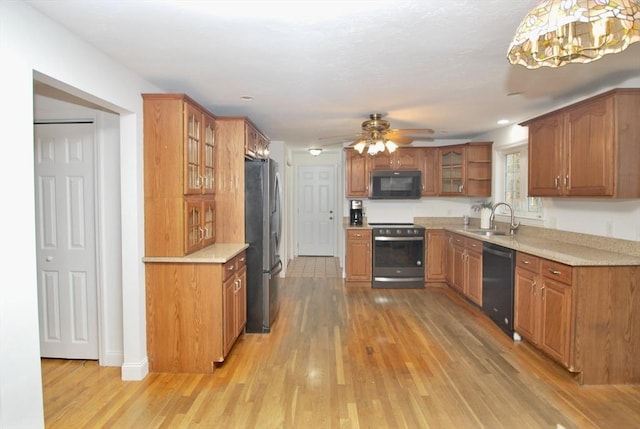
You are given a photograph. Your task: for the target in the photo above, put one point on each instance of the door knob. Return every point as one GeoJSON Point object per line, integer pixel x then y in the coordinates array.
{"type": "Point", "coordinates": [49, 258]}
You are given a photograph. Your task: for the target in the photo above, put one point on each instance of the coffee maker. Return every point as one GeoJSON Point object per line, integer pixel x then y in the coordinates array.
{"type": "Point", "coordinates": [355, 213]}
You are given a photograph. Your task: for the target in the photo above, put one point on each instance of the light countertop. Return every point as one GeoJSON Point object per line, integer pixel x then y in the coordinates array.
{"type": "Point", "coordinates": [567, 253]}
{"type": "Point", "coordinates": [218, 253]}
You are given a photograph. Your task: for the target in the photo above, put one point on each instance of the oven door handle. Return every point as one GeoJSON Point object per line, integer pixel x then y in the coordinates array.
{"type": "Point", "coordinates": [398, 238]}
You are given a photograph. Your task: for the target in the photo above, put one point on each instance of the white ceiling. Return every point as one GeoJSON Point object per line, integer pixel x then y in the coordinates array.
{"type": "Point", "coordinates": [319, 68]}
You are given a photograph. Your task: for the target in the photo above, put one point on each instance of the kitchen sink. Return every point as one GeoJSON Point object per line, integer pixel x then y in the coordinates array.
{"type": "Point", "coordinates": [487, 232]}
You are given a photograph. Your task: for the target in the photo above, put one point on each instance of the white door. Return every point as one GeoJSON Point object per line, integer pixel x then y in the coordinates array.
{"type": "Point", "coordinates": [316, 212]}
{"type": "Point", "coordinates": [65, 240]}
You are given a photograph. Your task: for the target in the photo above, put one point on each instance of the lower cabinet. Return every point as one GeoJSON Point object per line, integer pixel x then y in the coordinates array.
{"type": "Point", "coordinates": [542, 305]}
{"type": "Point", "coordinates": [195, 312]}
{"type": "Point", "coordinates": [234, 307]}
{"type": "Point", "coordinates": [464, 266]}
{"type": "Point", "coordinates": [435, 255]}
{"type": "Point", "coordinates": [358, 262]}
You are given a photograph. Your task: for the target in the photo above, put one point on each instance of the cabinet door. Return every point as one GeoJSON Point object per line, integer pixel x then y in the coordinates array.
{"type": "Point", "coordinates": [358, 256]}
{"type": "Point", "coordinates": [193, 150]}
{"type": "Point", "coordinates": [458, 268]}
{"type": "Point", "coordinates": [429, 169]}
{"type": "Point", "coordinates": [382, 161]}
{"type": "Point", "coordinates": [407, 158]}
{"type": "Point", "coordinates": [452, 171]}
{"type": "Point", "coordinates": [436, 255]}
{"type": "Point", "coordinates": [229, 313]}
{"type": "Point", "coordinates": [473, 278]}
{"type": "Point", "coordinates": [555, 313]}
{"type": "Point", "coordinates": [241, 300]}
{"type": "Point", "coordinates": [526, 299]}
{"type": "Point", "coordinates": [357, 174]}
{"type": "Point", "coordinates": [208, 155]}
{"type": "Point", "coordinates": [545, 156]}
{"type": "Point", "coordinates": [251, 141]}
{"type": "Point", "coordinates": [449, 258]}
{"type": "Point", "coordinates": [589, 150]}
{"type": "Point", "coordinates": [192, 224]}
{"type": "Point", "coordinates": [208, 222]}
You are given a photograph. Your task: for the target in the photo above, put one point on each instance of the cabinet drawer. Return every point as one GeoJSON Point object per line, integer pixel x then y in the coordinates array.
{"type": "Point", "coordinates": [473, 245]}
{"type": "Point", "coordinates": [457, 240]}
{"type": "Point", "coordinates": [556, 271]}
{"type": "Point", "coordinates": [240, 260]}
{"type": "Point", "coordinates": [527, 262]}
{"type": "Point", "coordinates": [358, 234]}
{"type": "Point", "coordinates": [229, 268]}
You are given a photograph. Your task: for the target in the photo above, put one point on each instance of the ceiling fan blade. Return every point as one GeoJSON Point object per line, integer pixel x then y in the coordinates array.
{"type": "Point", "coordinates": [344, 137]}
{"type": "Point", "coordinates": [411, 131]}
{"type": "Point", "coordinates": [398, 139]}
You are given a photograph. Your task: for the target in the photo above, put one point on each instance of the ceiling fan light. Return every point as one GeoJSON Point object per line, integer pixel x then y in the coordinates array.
{"type": "Point", "coordinates": [559, 32]}
{"type": "Point", "coordinates": [372, 150]}
{"type": "Point", "coordinates": [360, 146]}
{"type": "Point", "coordinates": [391, 146]}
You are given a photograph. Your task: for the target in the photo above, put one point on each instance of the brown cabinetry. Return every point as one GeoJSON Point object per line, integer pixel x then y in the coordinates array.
{"type": "Point", "coordinates": [464, 266]}
{"type": "Point", "coordinates": [466, 169]}
{"type": "Point", "coordinates": [233, 135]}
{"type": "Point", "coordinates": [543, 304]}
{"type": "Point", "coordinates": [429, 168]}
{"type": "Point", "coordinates": [435, 255]}
{"type": "Point", "coordinates": [256, 144]}
{"type": "Point", "coordinates": [588, 149]}
{"type": "Point", "coordinates": [195, 311]}
{"type": "Point", "coordinates": [357, 174]}
{"type": "Point", "coordinates": [358, 260]}
{"type": "Point", "coordinates": [179, 175]}
{"type": "Point", "coordinates": [234, 298]}
{"type": "Point", "coordinates": [460, 170]}
{"type": "Point", "coordinates": [407, 158]}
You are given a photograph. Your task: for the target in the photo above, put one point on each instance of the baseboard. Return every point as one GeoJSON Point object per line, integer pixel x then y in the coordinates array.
{"type": "Point", "coordinates": [112, 359]}
{"type": "Point", "coordinates": [135, 371]}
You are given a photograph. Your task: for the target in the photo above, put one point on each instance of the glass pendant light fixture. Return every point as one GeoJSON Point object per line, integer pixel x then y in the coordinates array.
{"type": "Point", "coordinates": [559, 32]}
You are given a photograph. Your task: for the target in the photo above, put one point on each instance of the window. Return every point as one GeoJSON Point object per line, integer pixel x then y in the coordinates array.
{"type": "Point", "coordinates": [514, 162]}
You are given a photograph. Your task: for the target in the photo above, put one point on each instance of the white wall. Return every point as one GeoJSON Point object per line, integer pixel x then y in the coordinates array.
{"type": "Point", "coordinates": [79, 69]}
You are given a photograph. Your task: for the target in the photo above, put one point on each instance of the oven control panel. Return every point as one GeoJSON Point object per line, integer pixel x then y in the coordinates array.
{"type": "Point", "coordinates": [398, 231]}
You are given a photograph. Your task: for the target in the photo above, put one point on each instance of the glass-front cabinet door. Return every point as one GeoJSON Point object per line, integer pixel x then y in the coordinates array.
{"type": "Point", "coordinates": [452, 171]}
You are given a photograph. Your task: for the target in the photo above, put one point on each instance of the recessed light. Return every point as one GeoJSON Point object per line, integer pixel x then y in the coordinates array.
{"type": "Point", "coordinates": [246, 97]}
{"type": "Point", "coordinates": [503, 122]}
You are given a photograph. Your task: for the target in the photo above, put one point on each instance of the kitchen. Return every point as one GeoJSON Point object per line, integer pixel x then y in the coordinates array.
{"type": "Point", "coordinates": [579, 216]}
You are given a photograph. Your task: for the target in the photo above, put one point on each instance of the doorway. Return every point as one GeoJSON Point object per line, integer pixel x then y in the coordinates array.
{"type": "Point", "coordinates": [55, 105]}
{"type": "Point", "coordinates": [317, 217]}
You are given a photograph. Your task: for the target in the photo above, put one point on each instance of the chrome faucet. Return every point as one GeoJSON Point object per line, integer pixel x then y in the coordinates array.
{"type": "Point", "coordinates": [513, 226]}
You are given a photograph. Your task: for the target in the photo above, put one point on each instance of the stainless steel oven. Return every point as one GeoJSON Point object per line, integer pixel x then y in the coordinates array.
{"type": "Point", "coordinates": [398, 255]}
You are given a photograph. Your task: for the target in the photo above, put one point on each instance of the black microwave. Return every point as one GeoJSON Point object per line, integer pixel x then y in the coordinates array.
{"type": "Point", "coordinates": [402, 184]}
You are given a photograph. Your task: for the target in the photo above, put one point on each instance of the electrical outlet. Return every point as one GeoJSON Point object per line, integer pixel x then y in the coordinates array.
{"type": "Point", "coordinates": [609, 228]}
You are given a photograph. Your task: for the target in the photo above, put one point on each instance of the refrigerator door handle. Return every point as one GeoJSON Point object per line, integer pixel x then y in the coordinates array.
{"type": "Point", "coordinates": [278, 270]}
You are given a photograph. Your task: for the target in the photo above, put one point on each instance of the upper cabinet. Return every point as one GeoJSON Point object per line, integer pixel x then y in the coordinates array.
{"type": "Point", "coordinates": [466, 169]}
{"type": "Point", "coordinates": [407, 158]}
{"type": "Point", "coordinates": [179, 175]}
{"type": "Point", "coordinates": [357, 174]}
{"type": "Point", "coordinates": [588, 149]}
{"type": "Point", "coordinates": [460, 170]}
{"type": "Point", "coordinates": [256, 144]}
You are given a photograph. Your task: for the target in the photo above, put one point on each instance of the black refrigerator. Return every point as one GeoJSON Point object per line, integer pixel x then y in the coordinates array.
{"type": "Point", "coordinates": [263, 224]}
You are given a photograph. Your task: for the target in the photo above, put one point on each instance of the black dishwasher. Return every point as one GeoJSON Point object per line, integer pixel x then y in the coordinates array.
{"type": "Point", "coordinates": [498, 265]}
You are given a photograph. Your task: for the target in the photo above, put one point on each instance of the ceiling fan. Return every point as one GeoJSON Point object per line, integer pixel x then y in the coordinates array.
{"type": "Point", "coordinates": [377, 135]}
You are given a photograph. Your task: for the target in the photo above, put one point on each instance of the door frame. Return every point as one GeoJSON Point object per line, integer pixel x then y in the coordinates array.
{"type": "Point", "coordinates": [107, 272]}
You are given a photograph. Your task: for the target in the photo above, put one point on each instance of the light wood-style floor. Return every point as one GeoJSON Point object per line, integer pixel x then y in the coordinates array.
{"type": "Point", "coordinates": [350, 358]}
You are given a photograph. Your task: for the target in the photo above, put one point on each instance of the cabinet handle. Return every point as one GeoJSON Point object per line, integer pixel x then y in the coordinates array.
{"type": "Point", "coordinates": [525, 261]}
{"type": "Point", "coordinates": [533, 288]}
{"type": "Point", "coordinates": [555, 272]}
{"type": "Point", "coordinates": [243, 259]}
{"type": "Point", "coordinates": [202, 233]}
{"type": "Point", "coordinates": [542, 291]}
{"type": "Point", "coordinates": [231, 268]}
{"type": "Point", "coordinates": [566, 180]}
{"type": "Point", "coordinates": [557, 182]}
